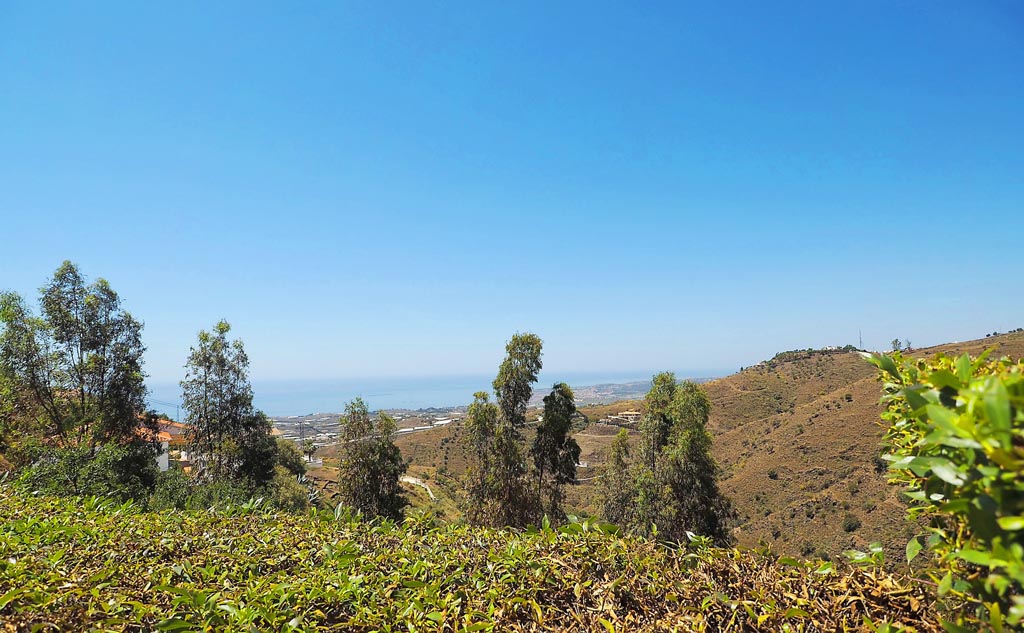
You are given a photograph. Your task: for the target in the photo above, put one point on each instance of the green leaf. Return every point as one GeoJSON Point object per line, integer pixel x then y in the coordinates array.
{"type": "Point", "coordinates": [173, 625]}
{"type": "Point", "coordinates": [884, 363]}
{"type": "Point", "coordinates": [945, 471]}
{"type": "Point", "coordinates": [913, 549]}
{"type": "Point", "coordinates": [963, 368]}
{"type": "Point", "coordinates": [944, 378]}
{"type": "Point", "coordinates": [945, 419]}
{"type": "Point", "coordinates": [945, 584]}
{"type": "Point", "coordinates": [975, 556]}
{"type": "Point", "coordinates": [997, 405]}
{"type": "Point", "coordinates": [1011, 523]}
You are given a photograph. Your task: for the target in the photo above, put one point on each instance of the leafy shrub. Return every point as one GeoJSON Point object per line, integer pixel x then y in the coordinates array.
{"type": "Point", "coordinates": [957, 440]}
{"type": "Point", "coordinates": [286, 493]}
{"type": "Point", "coordinates": [121, 471]}
{"type": "Point", "coordinates": [851, 522]}
{"type": "Point", "coordinates": [171, 492]}
{"type": "Point", "coordinates": [254, 571]}
{"type": "Point", "coordinates": [289, 456]}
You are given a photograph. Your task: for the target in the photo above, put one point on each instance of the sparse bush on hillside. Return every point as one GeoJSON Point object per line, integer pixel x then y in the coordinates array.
{"type": "Point", "coordinates": [850, 522]}
{"type": "Point", "coordinates": [957, 440]}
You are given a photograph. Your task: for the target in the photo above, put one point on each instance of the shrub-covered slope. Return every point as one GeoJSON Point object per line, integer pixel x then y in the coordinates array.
{"type": "Point", "coordinates": [77, 564]}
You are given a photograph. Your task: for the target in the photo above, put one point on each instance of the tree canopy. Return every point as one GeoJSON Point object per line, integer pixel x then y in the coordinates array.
{"type": "Point", "coordinates": [370, 465]}
{"type": "Point", "coordinates": [227, 436]}
{"type": "Point", "coordinates": [78, 364]}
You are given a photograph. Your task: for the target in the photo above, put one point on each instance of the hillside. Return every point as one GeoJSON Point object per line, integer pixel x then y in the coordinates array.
{"type": "Point", "coordinates": [797, 438]}
{"type": "Point", "coordinates": [76, 564]}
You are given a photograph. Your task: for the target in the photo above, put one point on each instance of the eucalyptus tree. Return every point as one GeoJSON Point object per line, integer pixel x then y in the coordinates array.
{"type": "Point", "coordinates": [478, 437]}
{"type": "Point", "coordinates": [227, 437]}
{"type": "Point", "coordinates": [694, 502]}
{"type": "Point", "coordinates": [515, 503]}
{"type": "Point", "coordinates": [673, 486]}
{"type": "Point", "coordinates": [617, 496]}
{"type": "Point", "coordinates": [656, 425]}
{"type": "Point", "coordinates": [500, 492]}
{"type": "Point", "coordinates": [78, 365]}
{"type": "Point", "coordinates": [555, 453]}
{"type": "Point", "coordinates": [370, 465]}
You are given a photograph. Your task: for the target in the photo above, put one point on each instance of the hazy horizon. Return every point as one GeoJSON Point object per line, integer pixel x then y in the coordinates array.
{"type": "Point", "coordinates": [329, 395]}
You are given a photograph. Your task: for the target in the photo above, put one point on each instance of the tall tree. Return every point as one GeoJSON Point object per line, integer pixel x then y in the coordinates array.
{"type": "Point", "coordinates": [673, 488]}
{"type": "Point", "coordinates": [618, 493]}
{"type": "Point", "coordinates": [515, 503]}
{"type": "Point", "coordinates": [656, 425]}
{"type": "Point", "coordinates": [500, 491]}
{"type": "Point", "coordinates": [226, 435]}
{"type": "Point", "coordinates": [694, 502]}
{"type": "Point", "coordinates": [478, 437]}
{"type": "Point", "coordinates": [79, 363]}
{"type": "Point", "coordinates": [371, 466]}
{"type": "Point", "coordinates": [555, 454]}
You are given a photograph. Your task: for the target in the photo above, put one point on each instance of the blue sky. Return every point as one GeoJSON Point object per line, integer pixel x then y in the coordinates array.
{"type": "Point", "coordinates": [393, 189]}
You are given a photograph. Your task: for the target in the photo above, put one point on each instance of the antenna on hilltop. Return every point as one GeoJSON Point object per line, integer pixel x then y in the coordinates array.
{"type": "Point", "coordinates": [860, 335]}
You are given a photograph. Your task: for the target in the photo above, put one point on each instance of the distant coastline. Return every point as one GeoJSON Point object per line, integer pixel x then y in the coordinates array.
{"type": "Point", "coordinates": [281, 399]}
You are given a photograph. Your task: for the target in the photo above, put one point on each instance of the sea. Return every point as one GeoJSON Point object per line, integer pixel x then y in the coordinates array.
{"type": "Point", "coordinates": [279, 398]}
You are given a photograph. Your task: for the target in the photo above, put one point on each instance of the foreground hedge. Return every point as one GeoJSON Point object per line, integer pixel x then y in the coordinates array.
{"type": "Point", "coordinates": [73, 564]}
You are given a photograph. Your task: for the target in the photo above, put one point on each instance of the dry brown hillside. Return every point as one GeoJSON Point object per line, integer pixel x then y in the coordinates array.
{"type": "Point", "coordinates": [799, 443]}
{"type": "Point", "coordinates": [797, 438]}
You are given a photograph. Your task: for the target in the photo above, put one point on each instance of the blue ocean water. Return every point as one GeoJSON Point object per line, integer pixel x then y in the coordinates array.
{"type": "Point", "coordinates": [302, 397]}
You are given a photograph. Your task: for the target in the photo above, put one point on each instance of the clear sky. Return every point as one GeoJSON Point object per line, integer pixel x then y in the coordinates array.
{"type": "Point", "coordinates": [393, 189]}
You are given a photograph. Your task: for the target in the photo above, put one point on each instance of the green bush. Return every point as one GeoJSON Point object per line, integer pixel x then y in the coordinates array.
{"type": "Point", "coordinates": [286, 493]}
{"type": "Point", "coordinates": [289, 456]}
{"type": "Point", "coordinates": [171, 492]}
{"type": "Point", "coordinates": [850, 522]}
{"type": "Point", "coordinates": [956, 437]}
{"type": "Point", "coordinates": [120, 471]}
{"type": "Point", "coordinates": [90, 564]}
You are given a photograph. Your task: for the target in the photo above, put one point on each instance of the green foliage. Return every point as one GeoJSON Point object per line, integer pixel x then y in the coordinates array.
{"type": "Point", "coordinates": [286, 491]}
{"type": "Point", "coordinates": [499, 490]}
{"type": "Point", "coordinates": [177, 491]}
{"type": "Point", "coordinates": [478, 437]}
{"type": "Point", "coordinates": [92, 564]}
{"type": "Point", "coordinates": [956, 438]}
{"type": "Point", "coordinates": [514, 384]}
{"type": "Point", "coordinates": [617, 500]}
{"type": "Point", "coordinates": [227, 436]}
{"type": "Point", "coordinates": [288, 455]}
{"type": "Point", "coordinates": [74, 373]}
{"type": "Point", "coordinates": [555, 454]}
{"type": "Point", "coordinates": [123, 471]}
{"type": "Point", "coordinates": [671, 491]}
{"type": "Point", "coordinates": [308, 448]}
{"type": "Point", "coordinates": [370, 465]}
